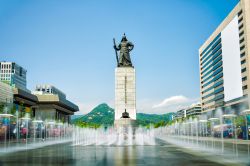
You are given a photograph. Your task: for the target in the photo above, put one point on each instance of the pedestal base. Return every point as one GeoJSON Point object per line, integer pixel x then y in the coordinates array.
{"type": "Point", "coordinates": [125, 122]}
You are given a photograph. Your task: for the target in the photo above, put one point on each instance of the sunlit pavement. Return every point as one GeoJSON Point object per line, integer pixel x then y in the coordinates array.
{"type": "Point", "coordinates": [66, 154]}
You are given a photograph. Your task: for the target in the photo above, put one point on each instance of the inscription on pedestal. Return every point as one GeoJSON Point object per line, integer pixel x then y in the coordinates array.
{"type": "Point", "coordinates": [125, 96]}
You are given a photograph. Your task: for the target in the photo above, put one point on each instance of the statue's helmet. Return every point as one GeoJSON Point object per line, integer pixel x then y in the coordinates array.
{"type": "Point", "coordinates": [124, 38]}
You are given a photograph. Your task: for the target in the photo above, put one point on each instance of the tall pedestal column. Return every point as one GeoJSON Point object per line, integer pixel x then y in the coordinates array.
{"type": "Point", "coordinates": [125, 96]}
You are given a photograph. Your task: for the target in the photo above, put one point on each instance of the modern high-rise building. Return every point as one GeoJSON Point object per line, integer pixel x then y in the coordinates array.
{"type": "Point", "coordinates": [13, 74]}
{"type": "Point", "coordinates": [224, 63]}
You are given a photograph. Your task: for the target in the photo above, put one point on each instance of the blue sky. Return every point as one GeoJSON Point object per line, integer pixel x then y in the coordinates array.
{"type": "Point", "coordinates": [69, 44]}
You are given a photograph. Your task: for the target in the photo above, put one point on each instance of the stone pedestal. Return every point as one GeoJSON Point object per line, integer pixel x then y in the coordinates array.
{"type": "Point", "coordinates": [125, 96]}
{"type": "Point", "coordinates": [125, 122]}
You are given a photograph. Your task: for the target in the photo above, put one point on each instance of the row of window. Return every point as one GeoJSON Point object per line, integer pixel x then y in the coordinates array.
{"type": "Point", "coordinates": [6, 79]}
{"type": "Point", "coordinates": [5, 75]}
{"type": "Point", "coordinates": [211, 53]}
{"type": "Point", "coordinates": [45, 90]}
{"type": "Point", "coordinates": [217, 97]}
{"type": "Point", "coordinates": [5, 71]}
{"type": "Point", "coordinates": [214, 92]}
{"type": "Point", "coordinates": [215, 58]}
{"type": "Point", "coordinates": [220, 96]}
{"type": "Point", "coordinates": [213, 87]}
{"type": "Point", "coordinates": [209, 46]}
{"type": "Point", "coordinates": [6, 66]}
{"type": "Point", "coordinates": [217, 74]}
{"type": "Point", "coordinates": [214, 61]}
{"type": "Point", "coordinates": [219, 64]}
{"type": "Point", "coordinates": [206, 55]}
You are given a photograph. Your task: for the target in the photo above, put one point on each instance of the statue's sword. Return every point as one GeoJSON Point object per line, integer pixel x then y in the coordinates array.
{"type": "Point", "coordinates": [116, 52]}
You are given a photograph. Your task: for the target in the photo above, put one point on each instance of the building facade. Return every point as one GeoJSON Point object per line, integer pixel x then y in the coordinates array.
{"type": "Point", "coordinates": [180, 114]}
{"type": "Point", "coordinates": [193, 110]}
{"type": "Point", "coordinates": [45, 103]}
{"type": "Point", "coordinates": [13, 74]}
{"type": "Point", "coordinates": [6, 93]}
{"type": "Point", "coordinates": [49, 89]}
{"type": "Point", "coordinates": [224, 63]}
{"type": "Point", "coordinates": [52, 104]}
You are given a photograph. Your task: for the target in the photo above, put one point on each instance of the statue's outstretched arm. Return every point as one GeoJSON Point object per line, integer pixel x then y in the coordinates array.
{"type": "Point", "coordinates": [131, 45]}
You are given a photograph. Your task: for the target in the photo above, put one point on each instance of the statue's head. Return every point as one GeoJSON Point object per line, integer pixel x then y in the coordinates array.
{"type": "Point", "coordinates": [124, 38]}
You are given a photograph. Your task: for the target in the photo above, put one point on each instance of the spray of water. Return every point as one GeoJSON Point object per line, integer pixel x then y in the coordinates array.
{"type": "Point", "coordinates": [113, 136]}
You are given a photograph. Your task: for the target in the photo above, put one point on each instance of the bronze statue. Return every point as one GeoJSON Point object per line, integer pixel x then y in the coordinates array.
{"type": "Point", "coordinates": [124, 47]}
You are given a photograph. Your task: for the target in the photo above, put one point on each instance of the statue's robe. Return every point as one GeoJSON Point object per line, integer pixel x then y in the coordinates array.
{"type": "Point", "coordinates": [124, 58]}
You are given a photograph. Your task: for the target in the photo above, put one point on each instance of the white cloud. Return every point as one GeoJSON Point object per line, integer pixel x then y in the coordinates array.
{"type": "Point", "coordinates": [151, 106]}
{"type": "Point", "coordinates": [170, 104]}
{"type": "Point", "coordinates": [172, 101]}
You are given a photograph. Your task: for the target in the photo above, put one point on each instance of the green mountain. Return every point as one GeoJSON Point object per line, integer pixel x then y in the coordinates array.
{"type": "Point", "coordinates": [104, 115]}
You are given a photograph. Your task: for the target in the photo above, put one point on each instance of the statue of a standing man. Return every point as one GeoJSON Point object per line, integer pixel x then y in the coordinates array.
{"type": "Point", "coordinates": [124, 47]}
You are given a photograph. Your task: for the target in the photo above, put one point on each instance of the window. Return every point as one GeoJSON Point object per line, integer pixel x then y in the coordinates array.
{"type": "Point", "coordinates": [242, 54]}
{"type": "Point", "coordinates": [240, 19]}
{"type": "Point", "coordinates": [244, 87]}
{"type": "Point", "coordinates": [241, 26]}
{"type": "Point", "coordinates": [240, 12]}
{"type": "Point", "coordinates": [242, 47]}
{"type": "Point", "coordinates": [241, 33]}
{"type": "Point", "coordinates": [21, 72]}
{"type": "Point", "coordinates": [243, 70]}
{"type": "Point", "coordinates": [243, 61]}
{"type": "Point", "coordinates": [244, 78]}
{"type": "Point", "coordinates": [241, 40]}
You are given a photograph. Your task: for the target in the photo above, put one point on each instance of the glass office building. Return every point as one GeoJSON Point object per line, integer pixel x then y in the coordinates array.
{"type": "Point", "coordinates": [13, 74]}
{"type": "Point", "coordinates": [224, 65]}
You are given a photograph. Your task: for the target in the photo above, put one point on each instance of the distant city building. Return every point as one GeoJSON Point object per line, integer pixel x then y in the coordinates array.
{"type": "Point", "coordinates": [13, 74]}
{"type": "Point", "coordinates": [45, 103]}
{"type": "Point", "coordinates": [6, 93]}
{"type": "Point", "coordinates": [180, 114]}
{"type": "Point", "coordinates": [52, 104]}
{"type": "Point", "coordinates": [49, 89]}
{"type": "Point", "coordinates": [224, 65]}
{"type": "Point", "coordinates": [193, 110]}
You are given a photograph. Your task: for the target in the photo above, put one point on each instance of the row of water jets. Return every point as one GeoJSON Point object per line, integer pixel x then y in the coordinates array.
{"type": "Point", "coordinates": [113, 136]}
{"type": "Point", "coordinates": [219, 135]}
{"type": "Point", "coordinates": [28, 133]}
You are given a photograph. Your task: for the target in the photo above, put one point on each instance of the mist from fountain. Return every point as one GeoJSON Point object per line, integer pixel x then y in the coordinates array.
{"type": "Point", "coordinates": [121, 136]}
{"type": "Point", "coordinates": [217, 135]}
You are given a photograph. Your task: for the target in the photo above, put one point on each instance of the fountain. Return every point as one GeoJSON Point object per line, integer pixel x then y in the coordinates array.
{"type": "Point", "coordinates": [246, 113]}
{"type": "Point", "coordinates": [6, 127]}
